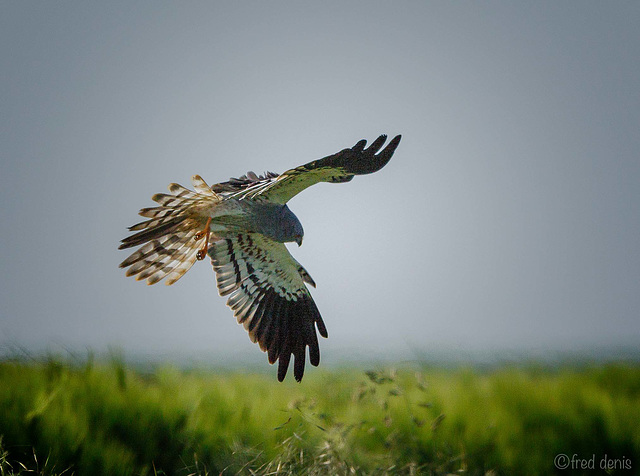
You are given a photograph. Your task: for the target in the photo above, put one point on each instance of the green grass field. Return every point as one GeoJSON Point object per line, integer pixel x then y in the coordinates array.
{"type": "Point", "coordinates": [58, 418]}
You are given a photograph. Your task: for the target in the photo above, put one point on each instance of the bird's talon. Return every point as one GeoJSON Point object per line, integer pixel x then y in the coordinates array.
{"type": "Point", "coordinates": [203, 234]}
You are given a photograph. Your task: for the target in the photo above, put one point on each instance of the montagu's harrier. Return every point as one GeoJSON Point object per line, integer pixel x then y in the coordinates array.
{"type": "Point", "coordinates": [243, 225]}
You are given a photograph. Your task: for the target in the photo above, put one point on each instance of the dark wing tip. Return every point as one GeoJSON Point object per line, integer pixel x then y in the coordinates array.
{"type": "Point", "coordinates": [359, 147]}
{"type": "Point", "coordinates": [283, 366]}
{"type": "Point", "coordinates": [291, 329]}
{"type": "Point", "coordinates": [360, 161]}
{"type": "Point", "coordinates": [299, 358]}
{"type": "Point", "coordinates": [395, 141]}
{"type": "Point", "coordinates": [376, 144]}
{"type": "Point", "coordinates": [322, 329]}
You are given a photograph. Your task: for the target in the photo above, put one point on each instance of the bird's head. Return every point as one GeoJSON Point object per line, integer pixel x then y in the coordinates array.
{"type": "Point", "coordinates": [289, 229]}
{"type": "Point", "coordinates": [293, 228]}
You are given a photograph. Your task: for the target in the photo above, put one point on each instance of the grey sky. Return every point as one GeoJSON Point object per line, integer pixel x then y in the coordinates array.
{"type": "Point", "coordinates": [509, 217]}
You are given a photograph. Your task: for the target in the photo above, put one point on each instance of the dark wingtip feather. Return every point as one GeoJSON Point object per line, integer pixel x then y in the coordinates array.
{"type": "Point", "coordinates": [322, 329]}
{"type": "Point", "coordinates": [276, 336]}
{"type": "Point", "coordinates": [376, 144]}
{"type": "Point", "coordinates": [283, 364]}
{"type": "Point", "coordinates": [299, 361]}
{"type": "Point", "coordinates": [361, 162]}
{"type": "Point", "coordinates": [359, 147]}
{"type": "Point", "coordinates": [284, 329]}
{"type": "Point", "coordinates": [314, 348]}
{"type": "Point", "coordinates": [317, 318]}
{"type": "Point", "coordinates": [394, 143]}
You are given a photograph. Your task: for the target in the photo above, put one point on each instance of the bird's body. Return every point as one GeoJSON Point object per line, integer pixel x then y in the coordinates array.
{"type": "Point", "coordinates": [242, 225]}
{"type": "Point", "coordinates": [230, 216]}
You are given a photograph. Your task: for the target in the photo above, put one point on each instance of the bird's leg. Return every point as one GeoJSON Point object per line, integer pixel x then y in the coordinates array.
{"type": "Point", "coordinates": [202, 252]}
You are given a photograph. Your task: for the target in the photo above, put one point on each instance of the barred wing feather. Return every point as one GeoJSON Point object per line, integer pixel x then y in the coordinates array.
{"type": "Point", "coordinates": [269, 298]}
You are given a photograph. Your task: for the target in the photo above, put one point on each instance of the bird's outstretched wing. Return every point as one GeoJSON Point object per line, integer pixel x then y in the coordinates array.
{"type": "Point", "coordinates": [336, 168]}
{"type": "Point", "coordinates": [269, 298]}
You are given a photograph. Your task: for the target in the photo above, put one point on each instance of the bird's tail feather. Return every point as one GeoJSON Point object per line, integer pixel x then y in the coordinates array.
{"type": "Point", "coordinates": [172, 235]}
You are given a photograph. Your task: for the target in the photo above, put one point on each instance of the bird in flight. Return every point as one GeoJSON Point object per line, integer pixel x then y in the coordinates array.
{"type": "Point", "coordinates": [243, 225]}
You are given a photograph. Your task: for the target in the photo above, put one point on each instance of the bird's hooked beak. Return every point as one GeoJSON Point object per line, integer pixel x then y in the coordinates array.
{"type": "Point", "coordinates": [299, 240]}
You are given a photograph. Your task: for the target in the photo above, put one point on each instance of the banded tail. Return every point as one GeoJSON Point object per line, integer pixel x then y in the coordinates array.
{"type": "Point", "coordinates": [172, 235]}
